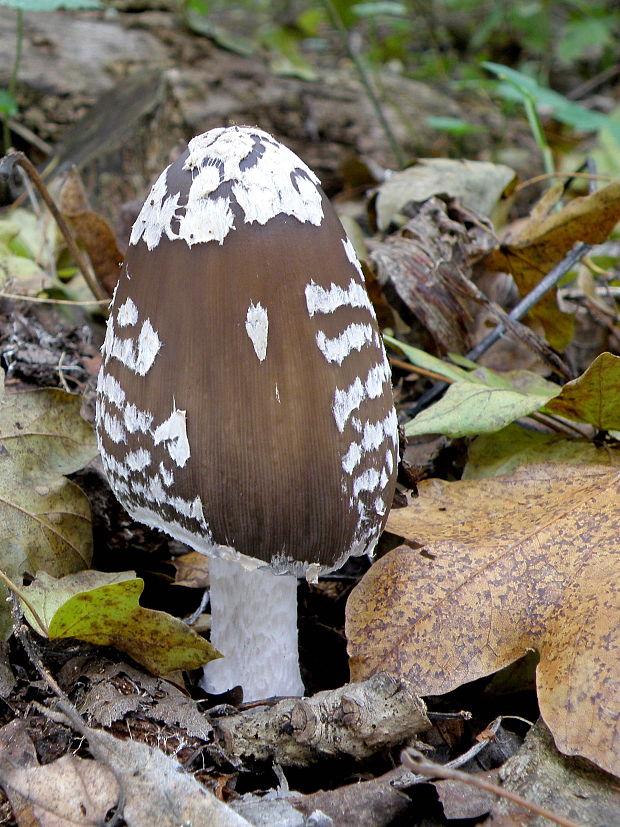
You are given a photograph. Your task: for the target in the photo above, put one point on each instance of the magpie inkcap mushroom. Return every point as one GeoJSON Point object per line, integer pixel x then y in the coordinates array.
{"type": "Point", "coordinates": [244, 404]}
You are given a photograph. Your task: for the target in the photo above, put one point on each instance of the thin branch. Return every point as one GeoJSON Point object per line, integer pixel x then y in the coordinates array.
{"type": "Point", "coordinates": [405, 781]}
{"type": "Point", "coordinates": [20, 159]}
{"type": "Point", "coordinates": [363, 76]}
{"type": "Point", "coordinates": [40, 300]}
{"type": "Point", "coordinates": [415, 761]}
{"type": "Point", "coordinates": [559, 425]}
{"type": "Point", "coordinates": [547, 175]}
{"type": "Point", "coordinates": [526, 304]}
{"type": "Point", "coordinates": [65, 705]}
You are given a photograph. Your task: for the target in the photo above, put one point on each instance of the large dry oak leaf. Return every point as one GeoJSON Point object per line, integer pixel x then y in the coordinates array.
{"type": "Point", "coordinates": [505, 565]}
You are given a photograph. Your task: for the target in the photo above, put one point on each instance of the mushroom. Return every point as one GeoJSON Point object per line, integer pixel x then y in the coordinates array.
{"type": "Point", "coordinates": [244, 402]}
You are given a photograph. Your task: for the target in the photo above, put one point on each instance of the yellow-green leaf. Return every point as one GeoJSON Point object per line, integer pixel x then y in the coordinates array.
{"type": "Point", "coordinates": [107, 613]}
{"type": "Point", "coordinates": [594, 397]}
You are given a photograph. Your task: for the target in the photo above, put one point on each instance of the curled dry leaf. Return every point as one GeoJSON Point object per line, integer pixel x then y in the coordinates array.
{"type": "Point", "coordinates": [508, 564]}
{"type": "Point", "coordinates": [542, 241]}
{"type": "Point", "coordinates": [66, 792]}
{"type": "Point", "coordinates": [92, 230]}
{"type": "Point", "coordinates": [480, 186]}
{"type": "Point", "coordinates": [192, 569]}
{"type": "Point", "coordinates": [45, 519]}
{"type": "Point", "coordinates": [153, 787]}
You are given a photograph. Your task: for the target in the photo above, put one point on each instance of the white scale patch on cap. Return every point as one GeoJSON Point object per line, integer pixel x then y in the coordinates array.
{"type": "Point", "coordinates": [328, 300]}
{"type": "Point", "coordinates": [206, 220]}
{"type": "Point", "coordinates": [138, 355]}
{"type": "Point", "coordinates": [156, 214]}
{"type": "Point", "coordinates": [368, 480]}
{"type": "Point", "coordinates": [138, 460]}
{"type": "Point", "coordinates": [110, 388]}
{"type": "Point", "coordinates": [137, 420]}
{"type": "Point", "coordinates": [352, 457]}
{"type": "Point", "coordinates": [127, 314]}
{"type": "Point", "coordinates": [113, 466]}
{"type": "Point", "coordinates": [113, 428]}
{"type": "Point", "coordinates": [272, 183]}
{"type": "Point", "coordinates": [352, 256]}
{"type": "Point", "coordinates": [257, 328]}
{"type": "Point", "coordinates": [354, 337]}
{"type": "Point", "coordinates": [173, 432]}
{"type": "Point", "coordinates": [348, 400]}
{"type": "Point", "coordinates": [166, 475]}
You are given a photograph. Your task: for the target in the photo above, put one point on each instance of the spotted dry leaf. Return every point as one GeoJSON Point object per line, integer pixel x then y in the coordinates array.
{"type": "Point", "coordinates": [505, 565]}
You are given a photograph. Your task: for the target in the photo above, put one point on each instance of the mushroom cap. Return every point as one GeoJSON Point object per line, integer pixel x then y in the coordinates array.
{"type": "Point", "coordinates": [244, 402]}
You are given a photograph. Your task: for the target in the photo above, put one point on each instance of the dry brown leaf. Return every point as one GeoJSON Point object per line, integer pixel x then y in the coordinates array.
{"type": "Point", "coordinates": [505, 565]}
{"type": "Point", "coordinates": [159, 791]}
{"type": "Point", "coordinates": [64, 793]}
{"type": "Point", "coordinates": [192, 569]}
{"type": "Point", "coordinates": [92, 230]}
{"type": "Point", "coordinates": [424, 266]}
{"type": "Point", "coordinates": [542, 242]}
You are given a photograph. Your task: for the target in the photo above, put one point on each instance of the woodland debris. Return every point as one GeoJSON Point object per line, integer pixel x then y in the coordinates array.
{"type": "Point", "coordinates": [147, 786]}
{"type": "Point", "coordinates": [571, 787]}
{"type": "Point", "coordinates": [355, 720]}
{"type": "Point", "coordinates": [114, 690]}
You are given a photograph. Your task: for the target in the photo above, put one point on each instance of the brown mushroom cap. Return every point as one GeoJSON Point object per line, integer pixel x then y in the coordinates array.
{"type": "Point", "coordinates": [245, 397]}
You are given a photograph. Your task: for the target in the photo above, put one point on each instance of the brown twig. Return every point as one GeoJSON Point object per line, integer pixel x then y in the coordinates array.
{"type": "Point", "coordinates": [20, 159]}
{"type": "Point", "coordinates": [403, 781]}
{"type": "Point", "coordinates": [416, 762]}
{"type": "Point", "coordinates": [545, 176]}
{"type": "Point", "coordinates": [400, 363]}
{"type": "Point", "coordinates": [40, 300]}
{"type": "Point", "coordinates": [559, 425]}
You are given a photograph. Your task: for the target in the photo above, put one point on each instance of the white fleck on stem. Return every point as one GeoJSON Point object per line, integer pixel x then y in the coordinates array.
{"type": "Point", "coordinates": [254, 625]}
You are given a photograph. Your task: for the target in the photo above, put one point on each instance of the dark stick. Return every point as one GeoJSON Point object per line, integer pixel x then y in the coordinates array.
{"type": "Point", "coordinates": [551, 279]}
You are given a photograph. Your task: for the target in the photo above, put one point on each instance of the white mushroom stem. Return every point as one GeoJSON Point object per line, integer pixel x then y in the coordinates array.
{"type": "Point", "coordinates": [254, 625]}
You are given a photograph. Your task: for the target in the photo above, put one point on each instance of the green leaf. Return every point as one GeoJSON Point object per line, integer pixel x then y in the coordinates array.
{"type": "Point", "coordinates": [492, 455]}
{"type": "Point", "coordinates": [378, 9]}
{"type": "Point", "coordinates": [563, 110]}
{"type": "Point", "coordinates": [425, 360]}
{"type": "Point", "coordinates": [586, 35]}
{"type": "Point", "coordinates": [50, 5]}
{"type": "Point", "coordinates": [198, 22]}
{"type": "Point", "coordinates": [8, 104]}
{"type": "Point", "coordinates": [285, 58]}
{"type": "Point", "coordinates": [47, 594]}
{"type": "Point", "coordinates": [45, 521]}
{"type": "Point", "coordinates": [103, 609]}
{"type": "Point", "coordinates": [469, 409]}
{"type": "Point", "coordinates": [594, 397]}
{"type": "Point", "coordinates": [455, 126]}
